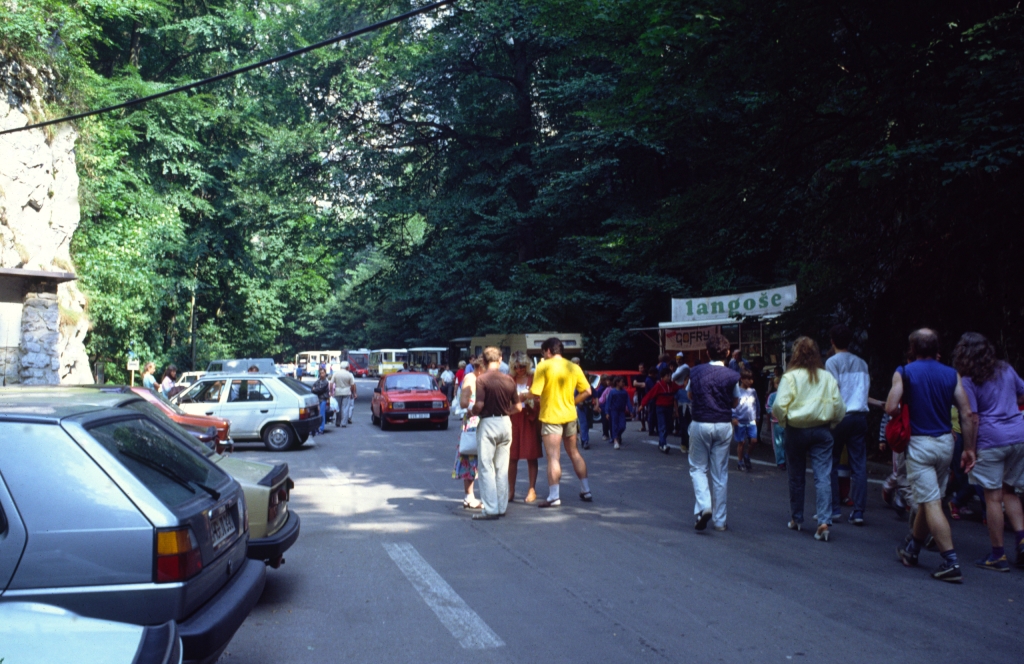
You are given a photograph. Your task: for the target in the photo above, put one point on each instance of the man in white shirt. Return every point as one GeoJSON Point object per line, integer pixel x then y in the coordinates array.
{"type": "Point", "coordinates": [345, 392]}
{"type": "Point", "coordinates": [447, 380]}
{"type": "Point", "coordinates": [851, 373]}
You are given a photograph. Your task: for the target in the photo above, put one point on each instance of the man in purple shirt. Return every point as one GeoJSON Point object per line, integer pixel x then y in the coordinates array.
{"type": "Point", "coordinates": [995, 392]}
{"type": "Point", "coordinates": [929, 389]}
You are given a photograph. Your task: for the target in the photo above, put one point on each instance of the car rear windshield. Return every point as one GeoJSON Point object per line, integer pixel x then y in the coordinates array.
{"type": "Point", "coordinates": [298, 387]}
{"type": "Point", "coordinates": [173, 472]}
{"type": "Point", "coordinates": [154, 411]}
{"type": "Point", "coordinates": [409, 382]}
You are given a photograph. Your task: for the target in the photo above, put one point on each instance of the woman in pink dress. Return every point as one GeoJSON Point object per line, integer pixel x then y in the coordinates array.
{"type": "Point", "coordinates": [525, 429]}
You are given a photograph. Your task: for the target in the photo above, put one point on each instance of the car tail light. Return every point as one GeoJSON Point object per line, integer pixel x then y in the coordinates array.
{"type": "Point", "coordinates": [276, 498]}
{"type": "Point", "coordinates": [178, 557]}
{"type": "Point", "coordinates": [311, 411]}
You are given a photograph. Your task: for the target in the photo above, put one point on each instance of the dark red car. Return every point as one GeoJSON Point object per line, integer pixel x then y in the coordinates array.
{"type": "Point", "coordinates": [408, 397]}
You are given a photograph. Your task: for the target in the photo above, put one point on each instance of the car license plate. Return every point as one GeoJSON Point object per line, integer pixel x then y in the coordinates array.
{"type": "Point", "coordinates": [419, 416]}
{"type": "Point", "coordinates": [222, 526]}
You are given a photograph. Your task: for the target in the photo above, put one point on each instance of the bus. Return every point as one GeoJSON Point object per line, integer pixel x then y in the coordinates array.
{"type": "Point", "coordinates": [384, 361]}
{"type": "Point", "coordinates": [358, 362]}
{"type": "Point", "coordinates": [307, 361]}
{"type": "Point", "coordinates": [423, 356]}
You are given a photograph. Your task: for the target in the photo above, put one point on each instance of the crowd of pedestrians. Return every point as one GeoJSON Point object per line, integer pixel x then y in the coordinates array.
{"type": "Point", "coordinates": [962, 422]}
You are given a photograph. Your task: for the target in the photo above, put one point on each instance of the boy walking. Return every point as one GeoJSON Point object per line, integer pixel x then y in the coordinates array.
{"type": "Point", "coordinates": [744, 420]}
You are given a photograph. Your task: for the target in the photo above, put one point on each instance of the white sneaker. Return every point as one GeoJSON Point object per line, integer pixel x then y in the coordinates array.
{"type": "Point", "coordinates": [617, 445]}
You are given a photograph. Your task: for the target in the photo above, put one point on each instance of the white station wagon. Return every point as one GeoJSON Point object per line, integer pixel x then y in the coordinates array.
{"type": "Point", "coordinates": [278, 410]}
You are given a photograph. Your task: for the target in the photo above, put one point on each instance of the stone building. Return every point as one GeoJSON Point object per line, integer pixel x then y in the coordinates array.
{"type": "Point", "coordinates": [42, 312]}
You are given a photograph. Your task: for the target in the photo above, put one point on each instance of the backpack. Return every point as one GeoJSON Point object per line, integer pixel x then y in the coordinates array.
{"type": "Point", "coordinates": [897, 431]}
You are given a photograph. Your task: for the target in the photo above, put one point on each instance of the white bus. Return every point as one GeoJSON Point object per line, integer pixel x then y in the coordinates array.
{"type": "Point", "coordinates": [384, 361]}
{"type": "Point", "coordinates": [307, 362]}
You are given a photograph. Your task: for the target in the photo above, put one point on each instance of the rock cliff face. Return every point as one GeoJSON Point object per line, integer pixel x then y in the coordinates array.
{"type": "Point", "coordinates": [39, 212]}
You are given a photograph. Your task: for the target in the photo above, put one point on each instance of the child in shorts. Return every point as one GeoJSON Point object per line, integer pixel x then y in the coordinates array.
{"type": "Point", "coordinates": [744, 420]}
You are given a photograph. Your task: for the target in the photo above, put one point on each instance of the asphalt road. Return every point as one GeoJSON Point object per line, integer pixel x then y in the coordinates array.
{"type": "Point", "coordinates": [390, 568]}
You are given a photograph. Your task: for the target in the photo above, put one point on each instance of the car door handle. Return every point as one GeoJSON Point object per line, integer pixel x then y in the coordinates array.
{"type": "Point", "coordinates": [209, 412]}
{"type": "Point", "coordinates": [266, 410]}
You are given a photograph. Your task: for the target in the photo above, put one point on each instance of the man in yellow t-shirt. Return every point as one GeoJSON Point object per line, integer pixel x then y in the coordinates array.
{"type": "Point", "coordinates": [561, 386]}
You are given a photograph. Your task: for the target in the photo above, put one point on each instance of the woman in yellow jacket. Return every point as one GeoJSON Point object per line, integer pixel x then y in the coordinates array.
{"type": "Point", "coordinates": [809, 406]}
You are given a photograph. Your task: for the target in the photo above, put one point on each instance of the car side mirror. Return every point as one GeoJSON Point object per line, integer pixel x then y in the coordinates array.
{"type": "Point", "coordinates": [376, 390]}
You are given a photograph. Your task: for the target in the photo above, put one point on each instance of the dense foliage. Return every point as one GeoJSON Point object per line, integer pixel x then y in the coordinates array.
{"type": "Point", "coordinates": [538, 164]}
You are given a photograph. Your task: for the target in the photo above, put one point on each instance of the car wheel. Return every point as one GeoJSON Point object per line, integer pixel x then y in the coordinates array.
{"type": "Point", "coordinates": [278, 437]}
{"type": "Point", "coordinates": [374, 420]}
{"type": "Point", "coordinates": [384, 424]}
{"type": "Point", "coordinates": [443, 425]}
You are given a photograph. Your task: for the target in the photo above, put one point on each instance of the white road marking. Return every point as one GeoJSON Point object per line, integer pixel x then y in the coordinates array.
{"type": "Point", "coordinates": [463, 622]}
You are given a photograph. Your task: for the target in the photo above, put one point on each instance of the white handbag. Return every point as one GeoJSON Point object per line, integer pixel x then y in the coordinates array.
{"type": "Point", "coordinates": [467, 440]}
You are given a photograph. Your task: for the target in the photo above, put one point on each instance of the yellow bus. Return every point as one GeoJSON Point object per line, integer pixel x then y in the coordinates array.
{"type": "Point", "coordinates": [384, 361]}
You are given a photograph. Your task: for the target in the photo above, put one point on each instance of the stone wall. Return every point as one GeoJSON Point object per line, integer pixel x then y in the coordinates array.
{"type": "Point", "coordinates": [39, 213]}
{"type": "Point", "coordinates": [38, 351]}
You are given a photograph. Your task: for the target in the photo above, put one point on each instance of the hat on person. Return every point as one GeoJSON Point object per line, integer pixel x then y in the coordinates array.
{"type": "Point", "coordinates": [680, 355]}
{"type": "Point", "coordinates": [344, 365]}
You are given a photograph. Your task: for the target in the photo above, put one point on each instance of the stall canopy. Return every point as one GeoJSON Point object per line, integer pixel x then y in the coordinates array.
{"type": "Point", "coordinates": [741, 317]}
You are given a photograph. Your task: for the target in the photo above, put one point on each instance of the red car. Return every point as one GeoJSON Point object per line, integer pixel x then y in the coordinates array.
{"type": "Point", "coordinates": [187, 419]}
{"type": "Point", "coordinates": [408, 396]}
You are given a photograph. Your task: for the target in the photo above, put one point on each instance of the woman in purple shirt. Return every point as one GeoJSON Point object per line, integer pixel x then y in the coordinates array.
{"type": "Point", "coordinates": [995, 392]}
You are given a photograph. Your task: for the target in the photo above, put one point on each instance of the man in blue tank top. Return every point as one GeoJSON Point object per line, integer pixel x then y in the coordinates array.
{"type": "Point", "coordinates": [929, 389]}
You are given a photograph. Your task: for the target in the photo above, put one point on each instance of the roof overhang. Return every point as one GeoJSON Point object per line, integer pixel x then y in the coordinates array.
{"type": "Point", "coordinates": [35, 275]}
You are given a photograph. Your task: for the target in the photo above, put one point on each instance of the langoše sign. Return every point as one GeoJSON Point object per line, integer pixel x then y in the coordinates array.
{"type": "Point", "coordinates": [755, 303]}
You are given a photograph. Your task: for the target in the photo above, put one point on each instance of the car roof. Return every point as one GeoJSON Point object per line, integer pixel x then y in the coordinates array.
{"type": "Point", "coordinates": [53, 403]}
{"type": "Point", "coordinates": [221, 375]}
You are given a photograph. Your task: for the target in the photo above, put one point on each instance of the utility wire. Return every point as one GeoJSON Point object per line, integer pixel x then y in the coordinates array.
{"type": "Point", "coordinates": [241, 70]}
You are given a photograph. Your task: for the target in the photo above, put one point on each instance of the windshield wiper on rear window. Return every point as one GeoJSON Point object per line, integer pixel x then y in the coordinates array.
{"type": "Point", "coordinates": [168, 472]}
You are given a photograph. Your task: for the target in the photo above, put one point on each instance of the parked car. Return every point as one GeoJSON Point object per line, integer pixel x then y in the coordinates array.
{"type": "Point", "coordinates": [407, 396]}
{"type": "Point", "coordinates": [108, 511]}
{"type": "Point", "coordinates": [31, 632]}
{"type": "Point", "coordinates": [187, 420]}
{"type": "Point", "coordinates": [630, 376]}
{"type": "Point", "coordinates": [189, 377]}
{"type": "Point", "coordinates": [264, 364]}
{"type": "Point", "coordinates": [278, 410]}
{"type": "Point", "coordinates": [273, 528]}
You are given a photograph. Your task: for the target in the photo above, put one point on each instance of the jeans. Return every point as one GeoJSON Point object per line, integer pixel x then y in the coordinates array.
{"type": "Point", "coordinates": [324, 405]}
{"type": "Point", "coordinates": [817, 442]}
{"type": "Point", "coordinates": [652, 420]}
{"type": "Point", "coordinates": [346, 405]}
{"type": "Point", "coordinates": [664, 415]}
{"type": "Point", "coordinates": [581, 418]}
{"type": "Point", "coordinates": [684, 424]}
{"type": "Point", "coordinates": [606, 423]}
{"type": "Point", "coordinates": [709, 453]}
{"type": "Point", "coordinates": [779, 440]}
{"type": "Point", "coordinates": [494, 442]}
{"type": "Point", "coordinates": [852, 432]}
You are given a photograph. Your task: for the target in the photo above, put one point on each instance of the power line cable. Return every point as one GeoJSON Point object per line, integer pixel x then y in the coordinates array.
{"type": "Point", "coordinates": [241, 70]}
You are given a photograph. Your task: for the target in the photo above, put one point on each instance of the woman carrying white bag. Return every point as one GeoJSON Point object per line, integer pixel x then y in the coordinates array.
{"type": "Point", "coordinates": [465, 457]}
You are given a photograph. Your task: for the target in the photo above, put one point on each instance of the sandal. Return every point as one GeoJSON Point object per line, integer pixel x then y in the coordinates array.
{"type": "Point", "coordinates": [466, 505]}
{"type": "Point", "coordinates": [586, 496]}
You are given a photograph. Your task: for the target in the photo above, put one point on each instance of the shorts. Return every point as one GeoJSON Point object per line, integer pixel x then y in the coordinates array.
{"type": "Point", "coordinates": [928, 459]}
{"type": "Point", "coordinates": [566, 430]}
{"type": "Point", "coordinates": [743, 432]}
{"type": "Point", "coordinates": [999, 465]}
